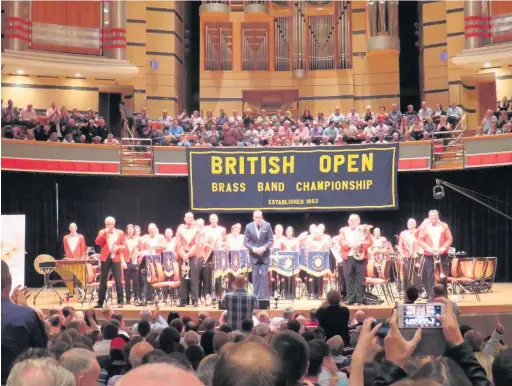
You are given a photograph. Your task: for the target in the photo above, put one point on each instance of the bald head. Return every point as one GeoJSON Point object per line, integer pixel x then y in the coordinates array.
{"type": "Point", "coordinates": [262, 330]}
{"type": "Point", "coordinates": [360, 316]}
{"type": "Point", "coordinates": [83, 365]}
{"type": "Point", "coordinates": [191, 338]}
{"type": "Point", "coordinates": [41, 372]}
{"type": "Point", "coordinates": [247, 363]}
{"type": "Point", "coordinates": [159, 374]}
{"type": "Point", "coordinates": [137, 352]}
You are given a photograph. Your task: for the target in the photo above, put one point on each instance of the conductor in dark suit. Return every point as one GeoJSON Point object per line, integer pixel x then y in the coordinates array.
{"type": "Point", "coordinates": [258, 239]}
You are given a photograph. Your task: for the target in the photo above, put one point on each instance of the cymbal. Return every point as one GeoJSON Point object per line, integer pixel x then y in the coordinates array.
{"type": "Point", "coordinates": [44, 260]}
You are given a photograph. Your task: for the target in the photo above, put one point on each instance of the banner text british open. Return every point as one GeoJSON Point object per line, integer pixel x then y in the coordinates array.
{"type": "Point", "coordinates": [300, 178]}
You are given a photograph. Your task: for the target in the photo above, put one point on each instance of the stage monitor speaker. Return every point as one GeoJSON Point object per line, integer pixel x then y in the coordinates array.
{"type": "Point", "coordinates": [264, 304]}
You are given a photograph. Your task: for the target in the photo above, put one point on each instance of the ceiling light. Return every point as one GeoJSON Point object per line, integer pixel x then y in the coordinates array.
{"type": "Point", "coordinates": [105, 10]}
{"type": "Point", "coordinates": [78, 75]}
{"type": "Point", "coordinates": [487, 64]}
{"type": "Point", "coordinates": [20, 72]}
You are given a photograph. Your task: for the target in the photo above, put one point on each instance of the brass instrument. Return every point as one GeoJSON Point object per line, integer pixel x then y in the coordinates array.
{"type": "Point", "coordinates": [436, 257]}
{"type": "Point", "coordinates": [358, 253]}
{"type": "Point", "coordinates": [185, 270]}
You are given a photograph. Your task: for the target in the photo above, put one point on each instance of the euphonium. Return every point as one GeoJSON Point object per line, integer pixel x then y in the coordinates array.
{"type": "Point", "coordinates": [358, 253]}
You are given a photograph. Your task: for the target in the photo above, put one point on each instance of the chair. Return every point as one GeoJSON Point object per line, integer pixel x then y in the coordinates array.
{"type": "Point", "coordinates": [383, 281]}
{"type": "Point", "coordinates": [93, 284]}
{"type": "Point", "coordinates": [464, 272]}
{"type": "Point", "coordinates": [160, 283]}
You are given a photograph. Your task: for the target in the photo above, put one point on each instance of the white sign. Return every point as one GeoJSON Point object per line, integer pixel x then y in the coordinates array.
{"type": "Point", "coordinates": [13, 246]}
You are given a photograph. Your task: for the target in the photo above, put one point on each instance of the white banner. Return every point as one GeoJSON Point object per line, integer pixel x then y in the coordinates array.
{"type": "Point", "coordinates": [13, 246]}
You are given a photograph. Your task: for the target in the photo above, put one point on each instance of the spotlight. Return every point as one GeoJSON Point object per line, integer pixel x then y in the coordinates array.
{"type": "Point", "coordinates": [438, 191]}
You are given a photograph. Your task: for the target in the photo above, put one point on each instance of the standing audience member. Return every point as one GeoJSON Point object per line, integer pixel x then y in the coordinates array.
{"type": "Point", "coordinates": [240, 304]}
{"type": "Point", "coordinates": [21, 327]}
{"type": "Point", "coordinates": [333, 317]}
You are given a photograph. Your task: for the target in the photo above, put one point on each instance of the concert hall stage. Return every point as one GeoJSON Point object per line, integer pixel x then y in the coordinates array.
{"type": "Point", "coordinates": [498, 301]}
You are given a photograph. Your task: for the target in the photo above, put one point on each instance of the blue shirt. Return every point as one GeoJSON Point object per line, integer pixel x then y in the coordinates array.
{"type": "Point", "coordinates": [175, 131]}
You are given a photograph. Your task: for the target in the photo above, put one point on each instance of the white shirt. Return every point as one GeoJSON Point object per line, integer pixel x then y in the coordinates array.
{"type": "Point", "coordinates": [435, 234]}
{"type": "Point", "coordinates": [350, 236]}
{"type": "Point", "coordinates": [72, 242]}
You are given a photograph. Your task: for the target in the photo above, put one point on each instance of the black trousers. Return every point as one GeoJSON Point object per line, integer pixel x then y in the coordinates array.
{"type": "Point", "coordinates": [145, 291]}
{"type": "Point", "coordinates": [428, 276]}
{"type": "Point", "coordinates": [131, 277]}
{"type": "Point", "coordinates": [205, 278]}
{"type": "Point", "coordinates": [190, 286]}
{"type": "Point", "coordinates": [342, 284]}
{"type": "Point", "coordinates": [354, 272]}
{"type": "Point", "coordinates": [106, 267]}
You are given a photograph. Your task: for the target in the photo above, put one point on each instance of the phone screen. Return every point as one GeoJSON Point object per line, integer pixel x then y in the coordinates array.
{"type": "Point", "coordinates": [421, 315]}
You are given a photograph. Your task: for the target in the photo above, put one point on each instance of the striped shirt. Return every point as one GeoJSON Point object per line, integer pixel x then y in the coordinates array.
{"type": "Point", "coordinates": [240, 305]}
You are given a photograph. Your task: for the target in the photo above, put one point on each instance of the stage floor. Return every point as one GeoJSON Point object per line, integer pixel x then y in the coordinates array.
{"type": "Point", "coordinates": [498, 301]}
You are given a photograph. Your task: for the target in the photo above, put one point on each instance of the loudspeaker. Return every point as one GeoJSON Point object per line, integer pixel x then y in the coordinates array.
{"type": "Point", "coordinates": [264, 304]}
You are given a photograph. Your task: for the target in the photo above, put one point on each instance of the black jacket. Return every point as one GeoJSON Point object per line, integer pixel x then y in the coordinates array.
{"type": "Point", "coordinates": [461, 354]}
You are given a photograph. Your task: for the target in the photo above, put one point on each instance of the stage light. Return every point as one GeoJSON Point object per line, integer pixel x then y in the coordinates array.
{"type": "Point", "coordinates": [105, 10]}
{"type": "Point", "coordinates": [438, 191]}
{"type": "Point", "coordinates": [78, 75]}
{"type": "Point", "coordinates": [20, 72]}
{"type": "Point", "coordinates": [487, 64]}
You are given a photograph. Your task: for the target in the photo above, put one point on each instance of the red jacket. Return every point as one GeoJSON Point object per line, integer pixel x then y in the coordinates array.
{"type": "Point", "coordinates": [119, 240]}
{"type": "Point", "coordinates": [344, 243]}
{"type": "Point", "coordinates": [79, 250]}
{"type": "Point", "coordinates": [445, 239]}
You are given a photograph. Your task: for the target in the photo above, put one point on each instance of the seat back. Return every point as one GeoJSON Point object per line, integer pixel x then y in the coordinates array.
{"type": "Point", "coordinates": [370, 268]}
{"type": "Point", "coordinates": [385, 269]}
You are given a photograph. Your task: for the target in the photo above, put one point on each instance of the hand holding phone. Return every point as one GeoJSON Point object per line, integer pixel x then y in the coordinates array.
{"type": "Point", "coordinates": [398, 349]}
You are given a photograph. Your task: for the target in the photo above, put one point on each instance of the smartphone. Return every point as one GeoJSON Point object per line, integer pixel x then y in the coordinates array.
{"type": "Point", "coordinates": [420, 315]}
{"type": "Point", "coordinates": [424, 316]}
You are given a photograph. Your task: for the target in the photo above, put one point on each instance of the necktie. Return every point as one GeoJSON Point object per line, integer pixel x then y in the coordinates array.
{"type": "Point", "coordinates": [259, 227]}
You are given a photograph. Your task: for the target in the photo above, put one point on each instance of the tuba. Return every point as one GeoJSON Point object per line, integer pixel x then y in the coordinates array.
{"type": "Point", "coordinates": [362, 233]}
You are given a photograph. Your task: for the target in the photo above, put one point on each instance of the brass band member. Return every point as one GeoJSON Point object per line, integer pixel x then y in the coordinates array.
{"type": "Point", "coordinates": [379, 250]}
{"type": "Point", "coordinates": [354, 242]}
{"type": "Point", "coordinates": [187, 239]}
{"type": "Point", "coordinates": [278, 239]}
{"type": "Point", "coordinates": [213, 238]}
{"type": "Point", "coordinates": [112, 243]}
{"type": "Point", "coordinates": [170, 241]}
{"type": "Point", "coordinates": [410, 250]}
{"type": "Point", "coordinates": [152, 243]}
{"type": "Point", "coordinates": [435, 238]}
{"type": "Point", "coordinates": [290, 243]}
{"type": "Point", "coordinates": [317, 243]}
{"type": "Point", "coordinates": [74, 243]}
{"type": "Point", "coordinates": [131, 271]}
{"type": "Point", "coordinates": [235, 241]}
{"type": "Point", "coordinates": [342, 285]}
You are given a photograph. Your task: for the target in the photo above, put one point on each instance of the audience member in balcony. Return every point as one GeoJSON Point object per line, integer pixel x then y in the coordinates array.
{"type": "Point", "coordinates": [370, 130]}
{"type": "Point", "coordinates": [9, 108]}
{"type": "Point", "coordinates": [77, 116]}
{"type": "Point", "coordinates": [426, 136]}
{"type": "Point", "coordinates": [353, 117]}
{"type": "Point", "coordinates": [199, 130]}
{"type": "Point", "coordinates": [101, 129]}
{"type": "Point", "coordinates": [248, 118]}
{"type": "Point", "coordinates": [488, 120]}
{"type": "Point", "coordinates": [64, 117]}
{"type": "Point", "coordinates": [395, 137]}
{"type": "Point", "coordinates": [42, 132]}
{"type": "Point", "coordinates": [195, 120]}
{"type": "Point", "coordinates": [68, 138]}
{"type": "Point", "coordinates": [425, 112]}
{"type": "Point", "coordinates": [288, 117]}
{"type": "Point", "coordinates": [404, 126]}
{"type": "Point", "coordinates": [28, 116]}
{"type": "Point", "coordinates": [454, 114]}
{"type": "Point", "coordinates": [263, 117]}
{"type": "Point", "coordinates": [235, 118]}
{"type": "Point", "coordinates": [141, 123]}
{"type": "Point", "coordinates": [315, 132]}
{"type": "Point", "coordinates": [266, 134]}
{"type": "Point", "coordinates": [410, 113]}
{"type": "Point", "coordinates": [175, 133]}
{"type": "Point", "coordinates": [111, 140]}
{"type": "Point", "coordinates": [507, 129]}
{"type": "Point", "coordinates": [367, 138]}
{"type": "Point", "coordinates": [394, 116]}
{"type": "Point", "coordinates": [383, 128]}
{"type": "Point", "coordinates": [493, 130]}
{"type": "Point", "coordinates": [369, 114]}
{"type": "Point", "coordinates": [184, 119]}
{"type": "Point", "coordinates": [331, 132]}
{"type": "Point", "coordinates": [337, 116]}
{"type": "Point", "coordinates": [430, 126]}
{"type": "Point", "coordinates": [504, 105]}
{"type": "Point", "coordinates": [209, 119]}
{"type": "Point", "coordinates": [380, 137]}
{"type": "Point", "coordinates": [82, 139]}
{"type": "Point", "coordinates": [278, 117]}
{"type": "Point", "coordinates": [439, 111]}
{"type": "Point", "coordinates": [222, 118]}
{"type": "Point", "coordinates": [302, 131]}
{"type": "Point", "coordinates": [407, 137]}
{"type": "Point", "coordinates": [382, 114]}
{"type": "Point", "coordinates": [255, 143]}
{"type": "Point", "coordinates": [166, 119]}
{"type": "Point", "coordinates": [307, 116]}
{"type": "Point", "coordinates": [53, 137]}
{"type": "Point", "coordinates": [339, 141]}
{"type": "Point", "coordinates": [89, 130]}
{"type": "Point", "coordinates": [502, 119]}
{"type": "Point", "coordinates": [202, 142]}
{"type": "Point", "coordinates": [251, 133]}
{"type": "Point", "coordinates": [326, 141]}
{"type": "Point", "coordinates": [284, 134]}
{"type": "Point", "coordinates": [231, 134]}
{"type": "Point", "coordinates": [350, 132]}
{"type": "Point", "coordinates": [96, 140]}
{"type": "Point", "coordinates": [30, 135]}
{"type": "Point", "coordinates": [322, 121]}
{"type": "Point", "coordinates": [213, 135]}
{"type": "Point", "coordinates": [417, 128]}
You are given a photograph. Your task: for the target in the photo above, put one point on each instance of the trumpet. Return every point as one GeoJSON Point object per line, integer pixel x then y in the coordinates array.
{"type": "Point", "coordinates": [185, 270]}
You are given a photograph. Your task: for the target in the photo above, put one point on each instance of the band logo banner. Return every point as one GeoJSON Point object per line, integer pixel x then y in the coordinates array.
{"type": "Point", "coordinates": [239, 262]}
{"type": "Point", "coordinates": [285, 263]}
{"type": "Point", "coordinates": [323, 178]}
{"type": "Point", "coordinates": [221, 262]}
{"type": "Point", "coordinates": [316, 263]}
{"type": "Point", "coordinates": [168, 258]}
